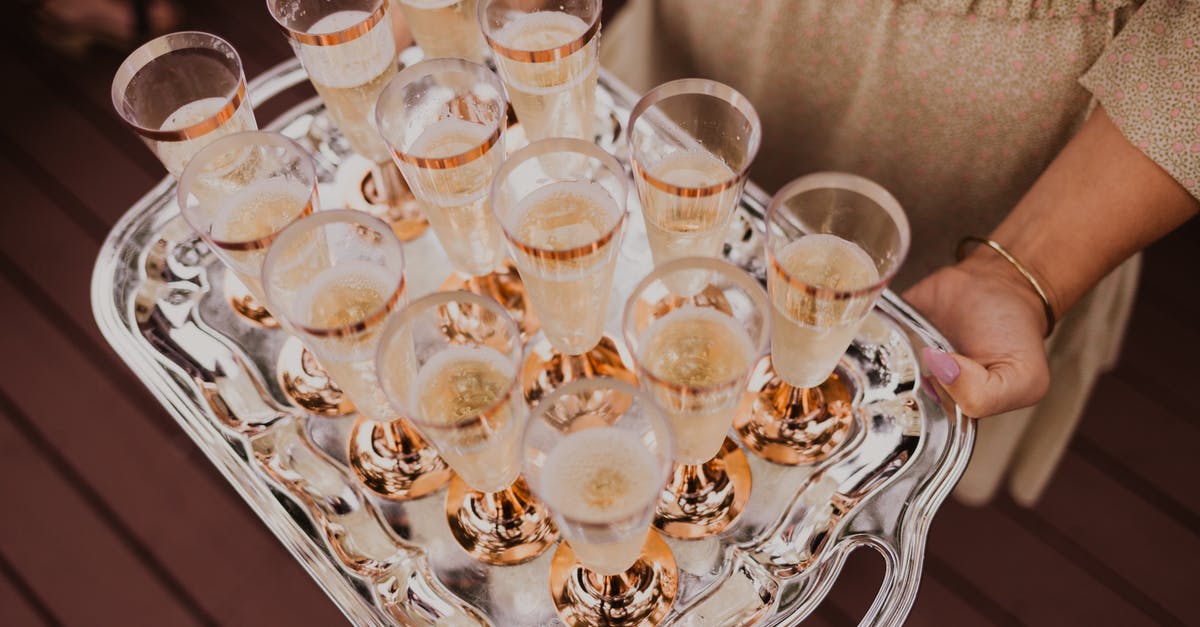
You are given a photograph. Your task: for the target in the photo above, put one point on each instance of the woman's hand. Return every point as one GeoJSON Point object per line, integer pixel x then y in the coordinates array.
{"type": "Point", "coordinates": [996, 321]}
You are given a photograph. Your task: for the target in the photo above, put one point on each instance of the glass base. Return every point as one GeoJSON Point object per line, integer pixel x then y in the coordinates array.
{"type": "Point", "coordinates": [244, 304]}
{"type": "Point", "coordinates": [639, 596]}
{"type": "Point", "coordinates": [306, 384]}
{"type": "Point", "coordinates": [393, 461]}
{"type": "Point", "coordinates": [502, 528]}
{"type": "Point", "coordinates": [546, 369]}
{"type": "Point", "coordinates": [505, 287]}
{"type": "Point", "coordinates": [380, 190]}
{"type": "Point", "coordinates": [789, 425]}
{"type": "Point", "coordinates": [702, 500]}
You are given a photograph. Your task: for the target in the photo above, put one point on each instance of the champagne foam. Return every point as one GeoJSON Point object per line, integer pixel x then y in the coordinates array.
{"type": "Point", "coordinates": [600, 475]}
{"type": "Point", "coordinates": [259, 210]}
{"type": "Point", "coordinates": [697, 346]}
{"type": "Point", "coordinates": [566, 215]}
{"type": "Point", "coordinates": [691, 168]}
{"type": "Point", "coordinates": [828, 261]}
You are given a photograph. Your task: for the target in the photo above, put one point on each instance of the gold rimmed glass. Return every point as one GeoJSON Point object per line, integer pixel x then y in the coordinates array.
{"type": "Point", "coordinates": [547, 52]}
{"type": "Point", "coordinates": [833, 242]}
{"type": "Point", "coordinates": [332, 278]}
{"type": "Point", "coordinates": [691, 144]}
{"type": "Point", "coordinates": [451, 362]}
{"type": "Point", "coordinates": [694, 350]}
{"type": "Point", "coordinates": [561, 203]}
{"type": "Point", "coordinates": [445, 28]}
{"type": "Point", "coordinates": [180, 92]}
{"type": "Point", "coordinates": [444, 120]}
{"type": "Point", "coordinates": [597, 452]}
{"type": "Point", "coordinates": [348, 50]}
{"type": "Point", "coordinates": [238, 193]}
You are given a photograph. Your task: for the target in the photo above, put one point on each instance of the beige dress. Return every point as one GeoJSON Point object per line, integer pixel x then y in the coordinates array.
{"type": "Point", "coordinates": [956, 106]}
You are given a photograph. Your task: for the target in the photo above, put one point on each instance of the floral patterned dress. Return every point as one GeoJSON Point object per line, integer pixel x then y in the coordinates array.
{"type": "Point", "coordinates": [956, 107]}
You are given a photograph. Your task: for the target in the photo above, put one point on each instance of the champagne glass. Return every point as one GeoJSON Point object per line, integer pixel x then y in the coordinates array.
{"type": "Point", "coordinates": [332, 278]}
{"type": "Point", "coordinates": [694, 351]}
{"type": "Point", "coordinates": [445, 28]}
{"type": "Point", "coordinates": [833, 243]}
{"type": "Point", "coordinates": [450, 361]}
{"type": "Point", "coordinates": [238, 193]}
{"type": "Point", "coordinates": [691, 142]}
{"type": "Point", "coordinates": [348, 50]}
{"type": "Point", "coordinates": [546, 50]}
{"type": "Point", "coordinates": [444, 120]}
{"type": "Point", "coordinates": [561, 203]}
{"type": "Point", "coordinates": [597, 452]}
{"type": "Point", "coordinates": [180, 92]}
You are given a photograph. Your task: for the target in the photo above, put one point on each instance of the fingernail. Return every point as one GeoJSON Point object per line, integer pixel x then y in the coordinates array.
{"type": "Point", "coordinates": [940, 364]}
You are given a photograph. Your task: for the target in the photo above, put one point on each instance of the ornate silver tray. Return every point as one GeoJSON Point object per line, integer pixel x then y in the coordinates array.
{"type": "Point", "coordinates": [157, 297]}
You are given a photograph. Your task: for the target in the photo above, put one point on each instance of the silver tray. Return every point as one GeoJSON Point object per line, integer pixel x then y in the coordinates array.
{"type": "Point", "coordinates": [157, 297]}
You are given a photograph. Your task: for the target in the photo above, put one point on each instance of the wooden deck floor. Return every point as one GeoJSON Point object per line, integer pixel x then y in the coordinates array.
{"type": "Point", "coordinates": [109, 515]}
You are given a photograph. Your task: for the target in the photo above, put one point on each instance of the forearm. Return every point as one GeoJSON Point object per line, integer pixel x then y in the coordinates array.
{"type": "Point", "coordinates": [1100, 201]}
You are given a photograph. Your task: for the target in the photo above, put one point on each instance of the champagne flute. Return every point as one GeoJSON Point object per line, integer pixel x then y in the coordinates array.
{"type": "Point", "coordinates": [561, 203]}
{"type": "Point", "coordinates": [444, 120]}
{"type": "Point", "coordinates": [348, 50]}
{"type": "Point", "coordinates": [691, 143]}
{"type": "Point", "coordinates": [450, 361]}
{"type": "Point", "coordinates": [238, 193]}
{"type": "Point", "coordinates": [597, 452]}
{"type": "Point", "coordinates": [179, 92]}
{"type": "Point", "coordinates": [547, 53]}
{"type": "Point", "coordinates": [445, 28]}
{"type": "Point", "coordinates": [694, 351]}
{"type": "Point", "coordinates": [833, 243]}
{"type": "Point", "coordinates": [332, 278]}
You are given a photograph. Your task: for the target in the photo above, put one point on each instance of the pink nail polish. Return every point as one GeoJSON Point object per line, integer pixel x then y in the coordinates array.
{"type": "Point", "coordinates": [940, 365]}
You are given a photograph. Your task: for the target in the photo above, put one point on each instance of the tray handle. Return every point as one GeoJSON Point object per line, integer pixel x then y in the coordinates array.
{"type": "Point", "coordinates": [900, 579]}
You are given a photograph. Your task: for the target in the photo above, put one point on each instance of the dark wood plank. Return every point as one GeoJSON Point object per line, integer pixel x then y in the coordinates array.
{"type": "Point", "coordinates": [1164, 272]}
{"type": "Point", "coordinates": [1021, 572]}
{"type": "Point", "coordinates": [1131, 542]}
{"type": "Point", "coordinates": [1158, 356]}
{"type": "Point", "coordinates": [19, 604]}
{"type": "Point", "coordinates": [67, 552]}
{"type": "Point", "coordinates": [1144, 445]}
{"type": "Point", "coordinates": [191, 523]}
{"type": "Point", "coordinates": [64, 152]}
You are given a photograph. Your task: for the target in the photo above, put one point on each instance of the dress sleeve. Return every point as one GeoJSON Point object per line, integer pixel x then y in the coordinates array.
{"type": "Point", "coordinates": [1148, 80]}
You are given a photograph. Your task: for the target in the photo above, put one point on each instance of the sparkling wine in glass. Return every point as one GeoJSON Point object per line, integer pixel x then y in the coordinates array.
{"type": "Point", "coordinates": [333, 278]}
{"type": "Point", "coordinates": [561, 203]}
{"type": "Point", "coordinates": [833, 242]}
{"type": "Point", "coordinates": [547, 53]}
{"type": "Point", "coordinates": [444, 120]}
{"type": "Point", "coordinates": [691, 143]}
{"type": "Point", "coordinates": [349, 52]}
{"type": "Point", "coordinates": [597, 452]}
{"type": "Point", "coordinates": [238, 193]}
{"type": "Point", "coordinates": [451, 361]}
{"type": "Point", "coordinates": [694, 350]}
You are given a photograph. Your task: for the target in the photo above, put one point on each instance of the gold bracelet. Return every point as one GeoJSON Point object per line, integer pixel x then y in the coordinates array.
{"type": "Point", "coordinates": [1051, 319]}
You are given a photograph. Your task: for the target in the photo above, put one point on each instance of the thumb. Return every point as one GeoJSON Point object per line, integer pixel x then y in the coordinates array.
{"type": "Point", "coordinates": [986, 391]}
